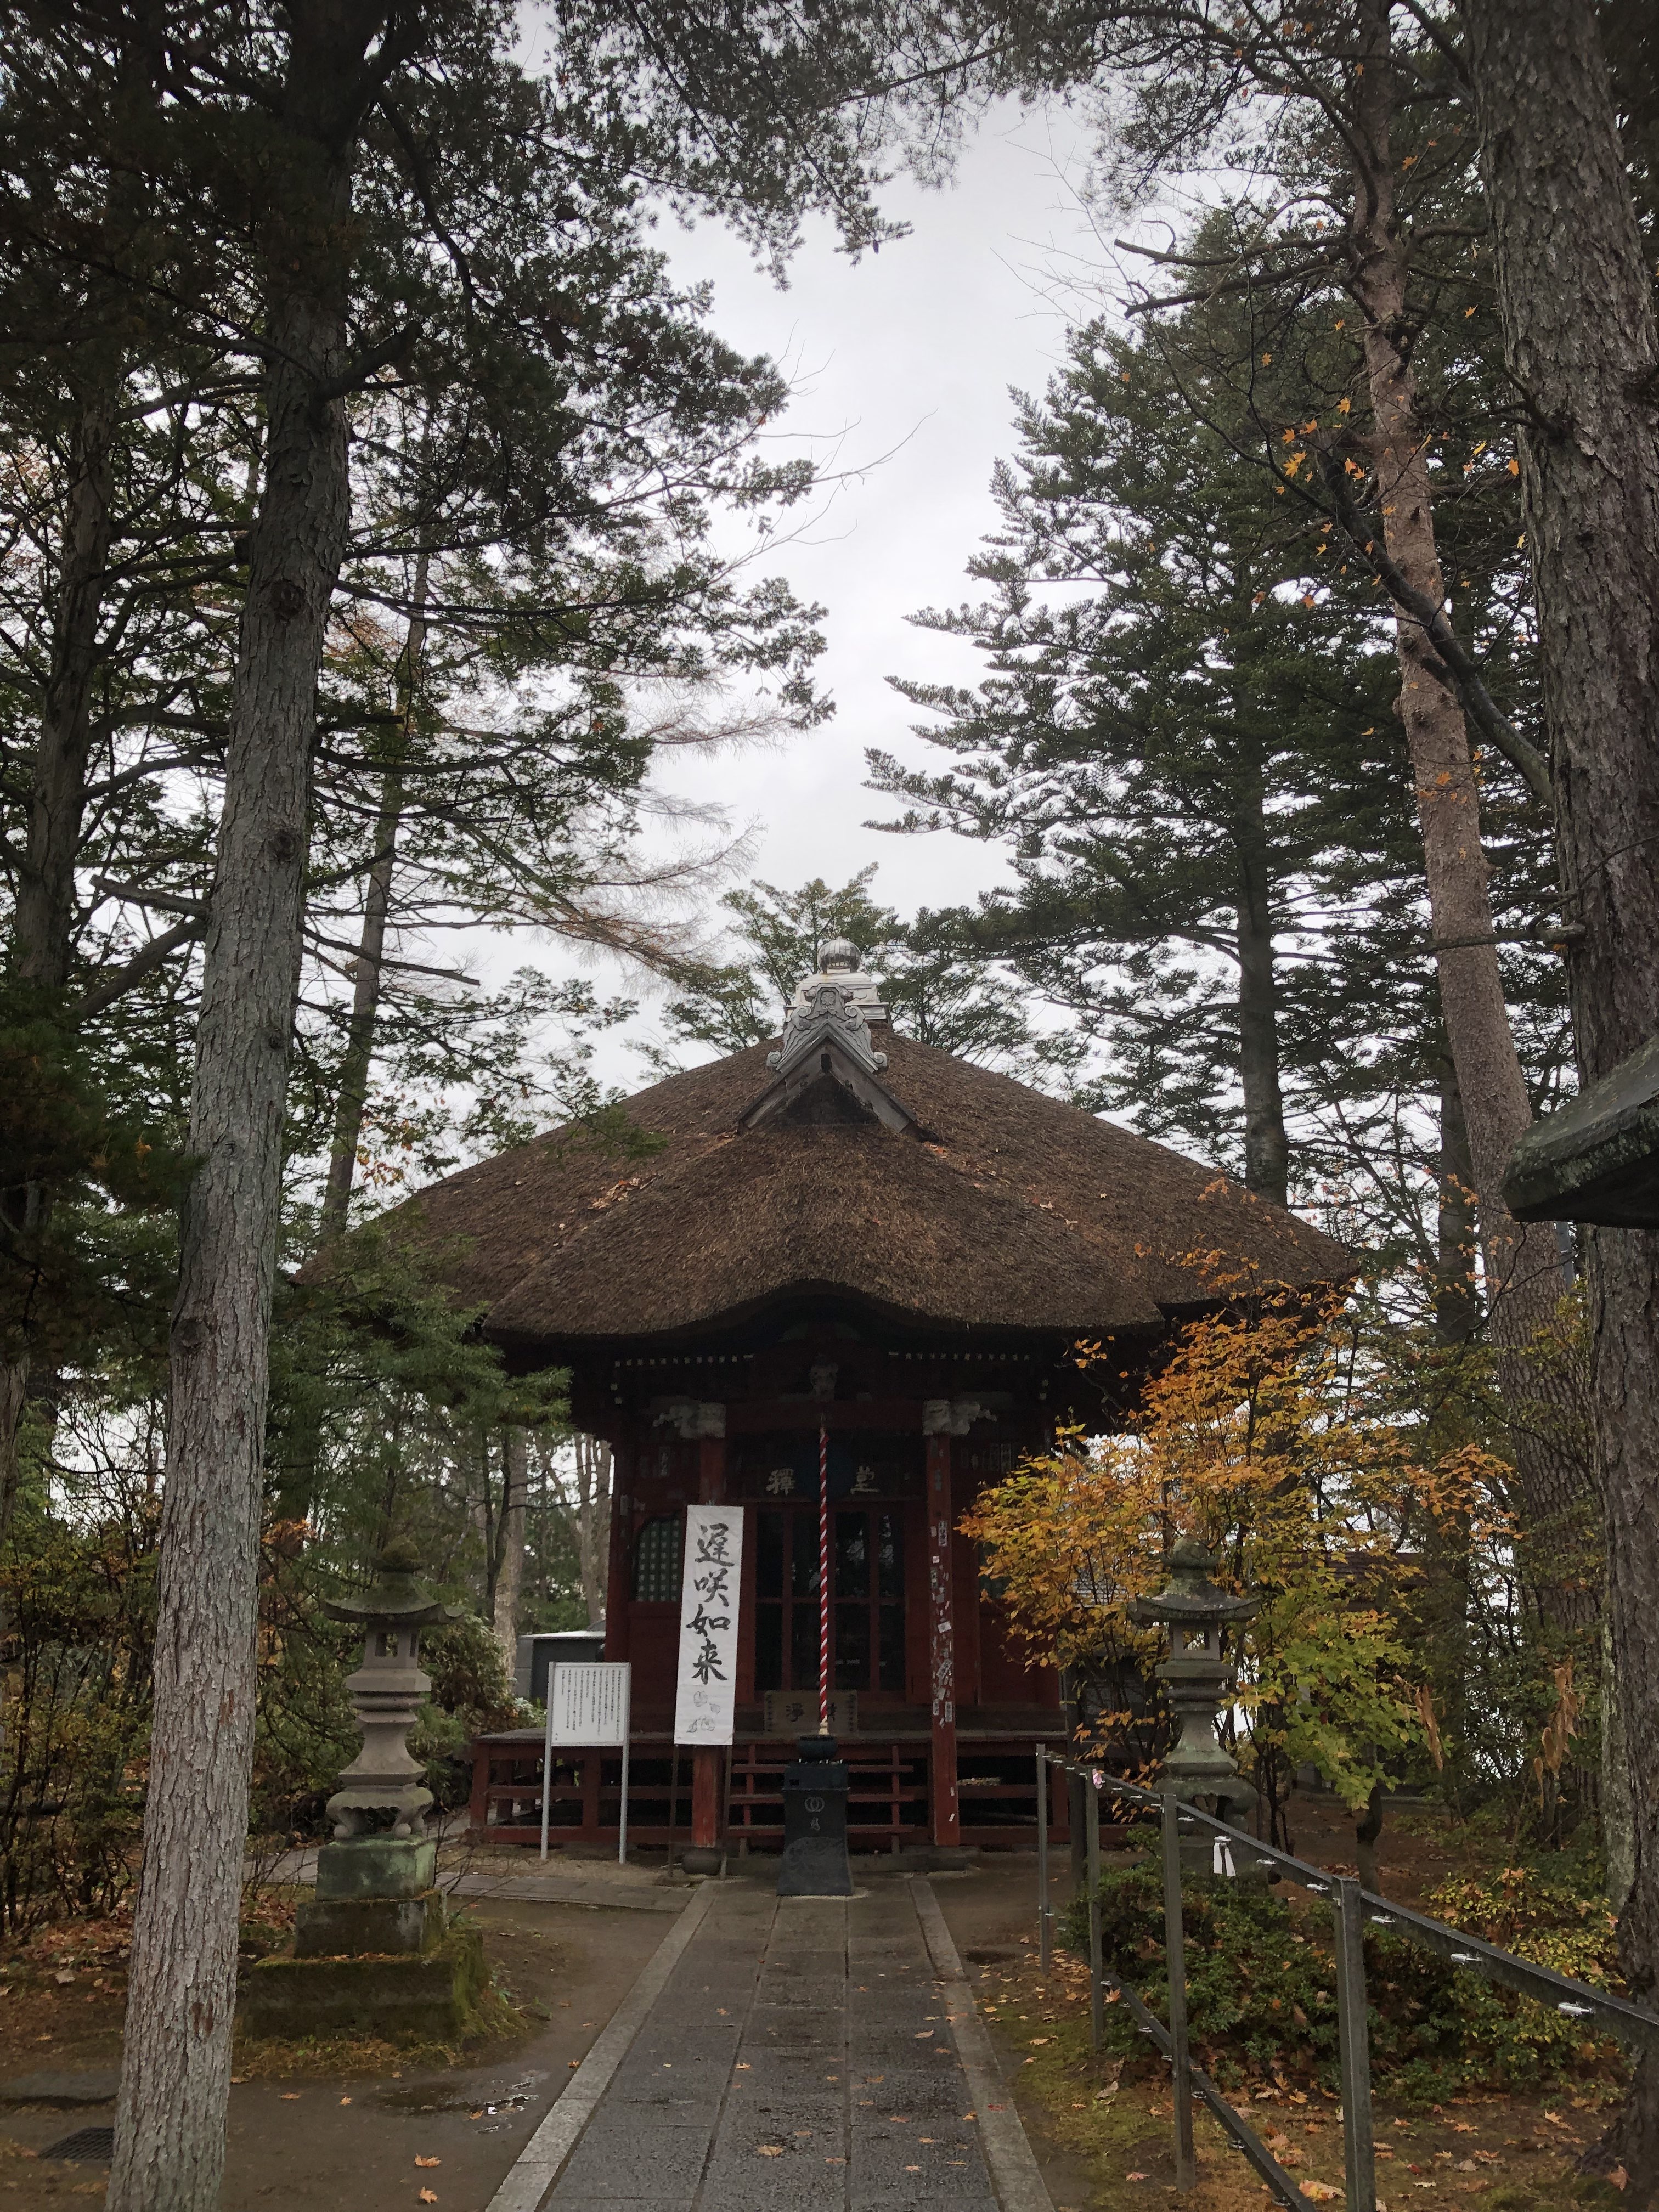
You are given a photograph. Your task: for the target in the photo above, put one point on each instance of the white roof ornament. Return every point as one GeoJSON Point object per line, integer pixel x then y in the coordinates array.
{"type": "Point", "coordinates": [827, 1068]}
{"type": "Point", "coordinates": [825, 1013]}
{"type": "Point", "coordinates": [839, 959]}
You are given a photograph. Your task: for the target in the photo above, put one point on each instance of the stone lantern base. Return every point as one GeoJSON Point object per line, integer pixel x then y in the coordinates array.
{"type": "Point", "coordinates": [374, 1952]}
{"type": "Point", "coordinates": [421, 1997]}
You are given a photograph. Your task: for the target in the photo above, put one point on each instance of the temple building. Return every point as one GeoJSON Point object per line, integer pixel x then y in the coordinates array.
{"type": "Point", "coordinates": [856, 1232]}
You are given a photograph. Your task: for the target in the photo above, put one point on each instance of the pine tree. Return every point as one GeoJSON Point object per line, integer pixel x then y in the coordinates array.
{"type": "Point", "coordinates": [1582, 346]}
{"type": "Point", "coordinates": [935, 985]}
{"type": "Point", "coordinates": [1183, 735]}
{"type": "Point", "coordinates": [1364, 159]}
{"type": "Point", "coordinates": [355, 195]}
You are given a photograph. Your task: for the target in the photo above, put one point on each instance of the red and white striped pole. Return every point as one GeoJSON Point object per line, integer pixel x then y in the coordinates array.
{"type": "Point", "coordinates": [824, 1579]}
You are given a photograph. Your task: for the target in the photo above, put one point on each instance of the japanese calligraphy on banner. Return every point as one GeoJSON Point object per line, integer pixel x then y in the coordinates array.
{"type": "Point", "coordinates": [706, 1702]}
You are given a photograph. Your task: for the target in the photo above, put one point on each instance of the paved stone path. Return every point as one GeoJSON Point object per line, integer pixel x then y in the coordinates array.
{"type": "Point", "coordinates": [799, 2059]}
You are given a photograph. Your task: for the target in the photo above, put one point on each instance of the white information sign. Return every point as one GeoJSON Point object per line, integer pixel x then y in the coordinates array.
{"type": "Point", "coordinates": [705, 1704]}
{"type": "Point", "coordinates": [588, 1705]}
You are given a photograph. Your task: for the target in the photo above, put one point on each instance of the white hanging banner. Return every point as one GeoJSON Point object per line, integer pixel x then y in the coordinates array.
{"type": "Point", "coordinates": [705, 1704]}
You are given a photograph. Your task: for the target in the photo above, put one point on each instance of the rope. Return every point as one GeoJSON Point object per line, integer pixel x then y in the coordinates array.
{"type": "Point", "coordinates": [823, 1580]}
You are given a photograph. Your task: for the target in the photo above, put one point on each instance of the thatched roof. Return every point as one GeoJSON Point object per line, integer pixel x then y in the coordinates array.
{"type": "Point", "coordinates": [993, 1207]}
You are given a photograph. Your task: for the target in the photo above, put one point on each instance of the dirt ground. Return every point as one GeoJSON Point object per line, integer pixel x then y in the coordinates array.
{"type": "Point", "coordinates": [341, 2131]}
{"type": "Point", "coordinates": [323, 2138]}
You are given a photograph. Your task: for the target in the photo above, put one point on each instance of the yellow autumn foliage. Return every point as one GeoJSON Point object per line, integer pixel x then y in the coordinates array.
{"type": "Point", "coordinates": [1260, 1435]}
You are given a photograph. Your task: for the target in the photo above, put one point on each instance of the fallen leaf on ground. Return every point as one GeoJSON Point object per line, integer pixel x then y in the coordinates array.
{"type": "Point", "coordinates": [429, 2161]}
{"type": "Point", "coordinates": [1037, 2041]}
{"type": "Point", "coordinates": [290, 2096]}
{"type": "Point", "coordinates": [1134, 2177]}
{"type": "Point", "coordinates": [1321, 2191]}
{"type": "Point", "coordinates": [345, 2100]}
{"type": "Point", "coordinates": [429, 2196]}
{"type": "Point", "coordinates": [1618, 2178]}
{"type": "Point", "coordinates": [768, 2150]}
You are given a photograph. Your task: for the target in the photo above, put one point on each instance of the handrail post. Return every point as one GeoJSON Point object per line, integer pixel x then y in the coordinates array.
{"type": "Point", "coordinates": [1359, 2146]}
{"type": "Point", "coordinates": [1042, 1856]}
{"type": "Point", "coordinates": [1096, 1987]}
{"type": "Point", "coordinates": [1175, 1952]}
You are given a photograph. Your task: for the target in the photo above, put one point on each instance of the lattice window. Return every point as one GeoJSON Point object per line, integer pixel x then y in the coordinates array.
{"type": "Point", "coordinates": [657, 1562]}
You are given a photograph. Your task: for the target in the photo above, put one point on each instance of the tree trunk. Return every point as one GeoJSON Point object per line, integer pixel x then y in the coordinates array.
{"type": "Point", "coordinates": [44, 922]}
{"type": "Point", "coordinates": [1522, 1266]}
{"type": "Point", "coordinates": [592, 1520]}
{"type": "Point", "coordinates": [1582, 350]}
{"type": "Point", "coordinates": [508, 1577]}
{"type": "Point", "coordinates": [371, 948]}
{"type": "Point", "coordinates": [1267, 1146]}
{"type": "Point", "coordinates": [1367, 1837]}
{"type": "Point", "coordinates": [44, 918]}
{"type": "Point", "coordinates": [1457, 1298]}
{"type": "Point", "coordinates": [169, 2137]}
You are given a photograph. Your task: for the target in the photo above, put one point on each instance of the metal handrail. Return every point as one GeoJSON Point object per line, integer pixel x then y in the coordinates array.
{"type": "Point", "coordinates": [1352, 1907]}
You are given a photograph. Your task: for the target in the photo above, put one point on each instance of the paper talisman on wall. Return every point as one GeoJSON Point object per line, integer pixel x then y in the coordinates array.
{"type": "Point", "coordinates": [705, 1700]}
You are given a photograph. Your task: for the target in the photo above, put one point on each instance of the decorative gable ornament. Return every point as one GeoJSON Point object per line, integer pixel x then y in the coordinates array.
{"type": "Point", "coordinates": [826, 1068]}
{"type": "Point", "coordinates": [829, 1016]}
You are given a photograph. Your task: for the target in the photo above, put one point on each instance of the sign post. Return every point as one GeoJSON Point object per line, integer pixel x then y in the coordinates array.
{"type": "Point", "coordinates": [588, 1706]}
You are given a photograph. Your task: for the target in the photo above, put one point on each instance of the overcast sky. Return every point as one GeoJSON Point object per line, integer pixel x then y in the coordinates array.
{"type": "Point", "coordinates": [909, 355]}
{"type": "Point", "coordinates": [902, 366]}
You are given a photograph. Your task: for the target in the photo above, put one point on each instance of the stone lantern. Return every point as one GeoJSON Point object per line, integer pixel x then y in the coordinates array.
{"type": "Point", "coordinates": [386, 1691]}
{"type": "Point", "coordinates": [1197, 1680]}
{"type": "Point", "coordinates": [375, 1952]}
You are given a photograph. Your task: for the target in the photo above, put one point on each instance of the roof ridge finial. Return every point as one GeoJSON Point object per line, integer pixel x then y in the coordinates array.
{"type": "Point", "coordinates": [840, 963]}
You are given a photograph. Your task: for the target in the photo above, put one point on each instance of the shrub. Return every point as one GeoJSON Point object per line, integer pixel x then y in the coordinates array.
{"type": "Point", "coordinates": [1261, 1991]}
